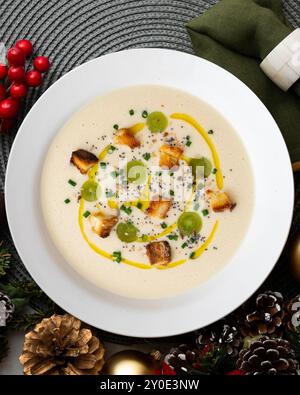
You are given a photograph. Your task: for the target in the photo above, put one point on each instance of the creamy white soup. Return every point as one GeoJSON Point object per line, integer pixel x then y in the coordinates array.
{"type": "Point", "coordinates": [147, 191]}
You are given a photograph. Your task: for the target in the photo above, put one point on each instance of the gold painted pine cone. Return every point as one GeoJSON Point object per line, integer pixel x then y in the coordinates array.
{"type": "Point", "coordinates": [61, 345]}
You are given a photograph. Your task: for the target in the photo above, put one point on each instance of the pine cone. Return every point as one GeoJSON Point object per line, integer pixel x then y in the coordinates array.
{"type": "Point", "coordinates": [267, 317]}
{"type": "Point", "coordinates": [183, 358]}
{"type": "Point", "coordinates": [268, 356]}
{"type": "Point", "coordinates": [221, 335]}
{"type": "Point", "coordinates": [293, 314]}
{"type": "Point", "coordinates": [61, 345]}
{"type": "Point", "coordinates": [7, 309]}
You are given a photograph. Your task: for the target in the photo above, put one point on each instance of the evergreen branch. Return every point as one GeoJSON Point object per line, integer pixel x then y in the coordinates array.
{"type": "Point", "coordinates": [4, 259]}
{"type": "Point", "coordinates": [24, 322]}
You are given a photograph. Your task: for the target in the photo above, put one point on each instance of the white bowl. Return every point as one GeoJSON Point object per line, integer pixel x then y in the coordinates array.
{"type": "Point", "coordinates": [257, 254]}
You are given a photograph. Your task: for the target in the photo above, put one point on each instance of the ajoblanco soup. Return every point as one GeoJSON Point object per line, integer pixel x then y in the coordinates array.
{"type": "Point", "coordinates": [147, 191]}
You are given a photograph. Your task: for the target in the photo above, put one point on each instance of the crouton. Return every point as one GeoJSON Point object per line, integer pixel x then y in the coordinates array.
{"type": "Point", "coordinates": [159, 252]}
{"type": "Point", "coordinates": [169, 156]}
{"type": "Point", "coordinates": [124, 137]}
{"type": "Point", "coordinates": [83, 160]}
{"type": "Point", "coordinates": [159, 208]}
{"type": "Point", "coordinates": [102, 224]}
{"type": "Point", "coordinates": [219, 201]}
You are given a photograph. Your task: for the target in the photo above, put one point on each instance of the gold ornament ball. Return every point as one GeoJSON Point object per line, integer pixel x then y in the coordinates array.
{"type": "Point", "coordinates": [130, 362]}
{"type": "Point", "coordinates": [294, 257]}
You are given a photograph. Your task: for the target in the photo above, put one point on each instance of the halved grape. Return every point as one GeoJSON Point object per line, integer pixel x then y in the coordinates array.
{"type": "Point", "coordinates": [189, 223]}
{"type": "Point", "coordinates": [136, 172]}
{"type": "Point", "coordinates": [203, 164]}
{"type": "Point", "coordinates": [157, 122]}
{"type": "Point", "coordinates": [90, 191]}
{"type": "Point", "coordinates": [126, 232]}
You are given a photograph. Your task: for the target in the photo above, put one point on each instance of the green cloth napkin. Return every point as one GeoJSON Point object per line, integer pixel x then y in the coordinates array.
{"type": "Point", "coordinates": [237, 35]}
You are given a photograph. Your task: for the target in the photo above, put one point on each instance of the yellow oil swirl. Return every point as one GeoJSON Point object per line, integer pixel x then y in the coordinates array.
{"type": "Point", "coordinates": [139, 265]}
{"type": "Point", "coordinates": [144, 201]}
{"type": "Point", "coordinates": [136, 128]}
{"type": "Point", "coordinates": [187, 118]}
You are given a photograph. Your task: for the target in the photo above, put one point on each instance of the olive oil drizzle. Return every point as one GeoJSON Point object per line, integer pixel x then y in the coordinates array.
{"type": "Point", "coordinates": [187, 118]}
{"type": "Point", "coordinates": [145, 202]}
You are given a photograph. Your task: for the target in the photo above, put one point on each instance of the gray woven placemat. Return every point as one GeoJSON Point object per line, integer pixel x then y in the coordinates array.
{"type": "Point", "coordinates": [70, 32]}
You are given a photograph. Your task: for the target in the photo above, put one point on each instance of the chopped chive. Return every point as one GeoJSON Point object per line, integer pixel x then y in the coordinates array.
{"type": "Point", "coordinates": [214, 171]}
{"type": "Point", "coordinates": [163, 225]}
{"type": "Point", "coordinates": [111, 149]}
{"type": "Point", "coordinates": [192, 255]}
{"type": "Point", "coordinates": [117, 256]}
{"type": "Point", "coordinates": [205, 212]}
{"type": "Point", "coordinates": [172, 193]}
{"type": "Point", "coordinates": [210, 131]}
{"type": "Point", "coordinates": [184, 245]}
{"type": "Point", "coordinates": [103, 165]}
{"type": "Point", "coordinates": [73, 183]}
{"type": "Point", "coordinates": [188, 143]}
{"type": "Point", "coordinates": [172, 237]}
{"type": "Point", "coordinates": [171, 174]}
{"type": "Point", "coordinates": [127, 210]}
{"type": "Point", "coordinates": [114, 174]}
{"type": "Point", "coordinates": [139, 205]}
{"type": "Point", "coordinates": [86, 214]}
{"type": "Point", "coordinates": [131, 112]}
{"type": "Point", "coordinates": [67, 201]}
{"type": "Point", "coordinates": [145, 114]}
{"type": "Point", "coordinates": [147, 156]}
{"type": "Point", "coordinates": [116, 126]}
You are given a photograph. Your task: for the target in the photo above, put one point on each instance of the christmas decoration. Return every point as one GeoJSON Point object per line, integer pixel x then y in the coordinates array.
{"type": "Point", "coordinates": [130, 362]}
{"type": "Point", "coordinates": [293, 314]}
{"type": "Point", "coordinates": [4, 259]}
{"type": "Point", "coordinates": [268, 356]}
{"type": "Point", "coordinates": [221, 335]}
{"type": "Point", "coordinates": [6, 309]}
{"type": "Point", "coordinates": [15, 78]}
{"type": "Point", "coordinates": [62, 345]}
{"type": "Point", "coordinates": [294, 257]}
{"type": "Point", "coordinates": [266, 318]}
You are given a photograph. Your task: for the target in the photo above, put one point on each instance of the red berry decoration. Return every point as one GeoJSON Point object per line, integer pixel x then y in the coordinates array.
{"type": "Point", "coordinates": [34, 78]}
{"type": "Point", "coordinates": [8, 108]}
{"type": "Point", "coordinates": [18, 90]}
{"type": "Point", "coordinates": [25, 46]}
{"type": "Point", "coordinates": [16, 73]}
{"type": "Point", "coordinates": [2, 92]}
{"type": "Point", "coordinates": [3, 71]}
{"type": "Point", "coordinates": [41, 63]}
{"type": "Point", "coordinates": [16, 57]}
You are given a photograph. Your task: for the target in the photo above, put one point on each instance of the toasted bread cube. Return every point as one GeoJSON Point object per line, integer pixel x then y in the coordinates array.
{"type": "Point", "coordinates": [219, 201]}
{"type": "Point", "coordinates": [124, 137]}
{"type": "Point", "coordinates": [159, 208]}
{"type": "Point", "coordinates": [102, 224]}
{"type": "Point", "coordinates": [159, 252]}
{"type": "Point", "coordinates": [83, 160]}
{"type": "Point", "coordinates": [169, 156]}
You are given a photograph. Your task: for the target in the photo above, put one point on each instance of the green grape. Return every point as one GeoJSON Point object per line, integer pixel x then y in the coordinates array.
{"type": "Point", "coordinates": [90, 191]}
{"type": "Point", "coordinates": [126, 232]}
{"type": "Point", "coordinates": [201, 162]}
{"type": "Point", "coordinates": [189, 223]}
{"type": "Point", "coordinates": [157, 122]}
{"type": "Point", "coordinates": [136, 172]}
